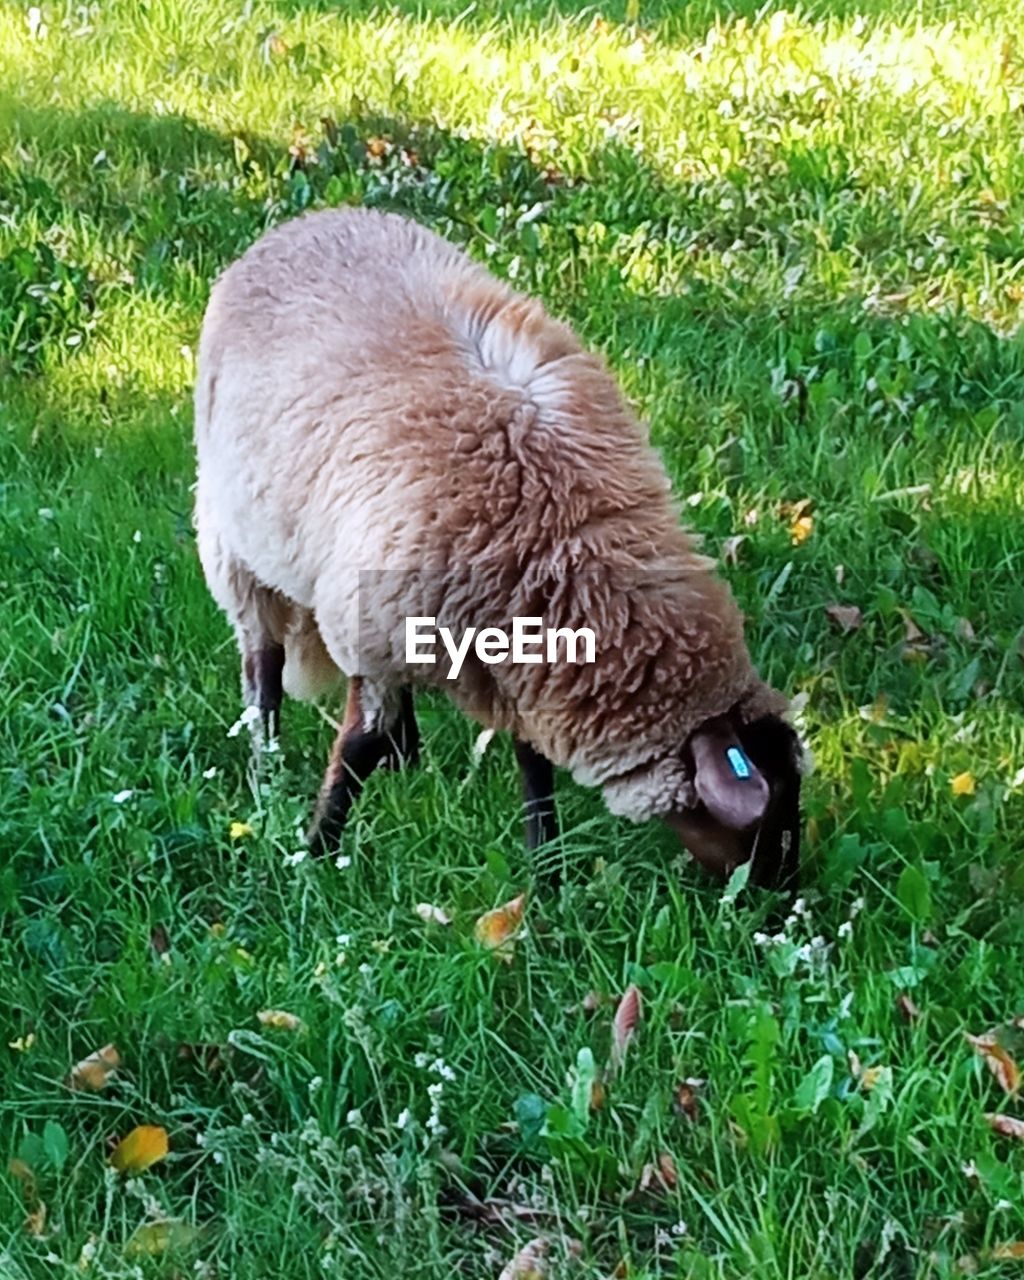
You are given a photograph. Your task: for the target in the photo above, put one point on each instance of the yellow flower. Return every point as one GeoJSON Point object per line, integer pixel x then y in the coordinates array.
{"type": "Point", "coordinates": [23, 1043]}
{"type": "Point", "coordinates": [239, 830]}
{"type": "Point", "coordinates": [963, 784]}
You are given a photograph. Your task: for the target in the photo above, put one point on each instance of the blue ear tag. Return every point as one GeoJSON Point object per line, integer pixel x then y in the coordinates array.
{"type": "Point", "coordinates": [738, 762]}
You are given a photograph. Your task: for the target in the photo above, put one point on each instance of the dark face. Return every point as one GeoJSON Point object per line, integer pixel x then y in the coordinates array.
{"type": "Point", "coordinates": [748, 782]}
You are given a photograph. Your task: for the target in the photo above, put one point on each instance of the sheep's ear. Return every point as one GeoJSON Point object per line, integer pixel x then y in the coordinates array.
{"type": "Point", "coordinates": [729, 784]}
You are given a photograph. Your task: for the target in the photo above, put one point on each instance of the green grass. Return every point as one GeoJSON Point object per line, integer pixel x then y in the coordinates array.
{"type": "Point", "coordinates": [798, 240]}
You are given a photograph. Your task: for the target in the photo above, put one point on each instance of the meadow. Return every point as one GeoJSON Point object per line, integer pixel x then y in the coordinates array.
{"type": "Point", "coordinates": [796, 236]}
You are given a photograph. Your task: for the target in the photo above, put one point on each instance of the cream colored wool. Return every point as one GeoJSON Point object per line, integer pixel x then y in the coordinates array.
{"type": "Point", "coordinates": [369, 399]}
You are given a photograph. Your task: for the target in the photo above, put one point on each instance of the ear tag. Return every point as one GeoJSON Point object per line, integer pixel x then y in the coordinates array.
{"type": "Point", "coordinates": [738, 762]}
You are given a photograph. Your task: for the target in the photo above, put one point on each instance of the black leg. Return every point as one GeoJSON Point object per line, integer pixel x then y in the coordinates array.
{"type": "Point", "coordinates": [539, 795]}
{"type": "Point", "coordinates": [404, 749]}
{"type": "Point", "coordinates": [356, 753]}
{"type": "Point", "coordinates": [261, 676]}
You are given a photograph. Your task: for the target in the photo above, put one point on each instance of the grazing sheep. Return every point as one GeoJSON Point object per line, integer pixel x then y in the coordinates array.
{"type": "Point", "coordinates": [386, 431]}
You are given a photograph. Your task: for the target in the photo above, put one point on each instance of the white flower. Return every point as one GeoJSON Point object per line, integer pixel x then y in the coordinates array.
{"type": "Point", "coordinates": [342, 939]}
{"type": "Point", "coordinates": [294, 859]}
{"type": "Point", "coordinates": [342, 862]}
{"type": "Point", "coordinates": [354, 1117]}
{"type": "Point", "coordinates": [403, 1119]}
{"type": "Point", "coordinates": [846, 929]}
{"type": "Point", "coordinates": [315, 1084]}
{"type": "Point", "coordinates": [249, 716]}
{"type": "Point", "coordinates": [45, 513]}
{"type": "Point", "coordinates": [137, 536]}
{"type": "Point", "coordinates": [120, 797]}
{"type": "Point", "coordinates": [211, 772]}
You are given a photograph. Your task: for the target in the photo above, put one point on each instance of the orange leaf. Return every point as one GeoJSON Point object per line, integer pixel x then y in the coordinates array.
{"type": "Point", "coordinates": [999, 1062]}
{"type": "Point", "coordinates": [624, 1024]}
{"type": "Point", "coordinates": [94, 1072]}
{"type": "Point", "coordinates": [145, 1145]}
{"type": "Point", "coordinates": [1007, 1252]}
{"type": "Point", "coordinates": [496, 929]}
{"type": "Point", "coordinates": [1007, 1126]}
{"type": "Point", "coordinates": [800, 530]}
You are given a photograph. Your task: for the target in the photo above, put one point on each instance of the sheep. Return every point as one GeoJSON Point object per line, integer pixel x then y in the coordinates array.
{"type": "Point", "coordinates": [386, 431]}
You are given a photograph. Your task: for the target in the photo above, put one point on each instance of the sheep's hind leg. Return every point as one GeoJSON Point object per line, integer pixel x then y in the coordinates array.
{"type": "Point", "coordinates": [538, 794]}
{"type": "Point", "coordinates": [357, 751]}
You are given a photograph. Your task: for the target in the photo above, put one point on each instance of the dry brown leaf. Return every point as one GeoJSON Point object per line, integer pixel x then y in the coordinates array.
{"type": "Point", "coordinates": [35, 1222]}
{"type": "Point", "coordinates": [1007, 1126]}
{"type": "Point", "coordinates": [685, 1099]}
{"type": "Point", "coordinates": [94, 1072]}
{"type": "Point", "coordinates": [497, 929]}
{"type": "Point", "coordinates": [999, 1062]}
{"type": "Point", "coordinates": [23, 1172]}
{"type": "Point", "coordinates": [160, 940]}
{"type": "Point", "coordinates": [624, 1024]}
{"type": "Point", "coordinates": [530, 1263]}
{"type": "Point", "coordinates": [847, 617]}
{"type": "Point", "coordinates": [597, 1095]}
{"type": "Point", "coordinates": [1007, 1252]}
{"type": "Point", "coordinates": [907, 1008]}
{"type": "Point", "coordinates": [279, 1019]}
{"type": "Point", "coordinates": [660, 1174]}
{"type": "Point", "coordinates": [145, 1145]}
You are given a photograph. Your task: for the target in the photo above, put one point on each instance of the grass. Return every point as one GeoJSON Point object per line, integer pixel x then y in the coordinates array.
{"type": "Point", "coordinates": [798, 240]}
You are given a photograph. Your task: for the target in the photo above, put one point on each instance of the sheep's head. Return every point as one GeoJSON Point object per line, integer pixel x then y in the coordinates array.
{"type": "Point", "coordinates": [747, 782]}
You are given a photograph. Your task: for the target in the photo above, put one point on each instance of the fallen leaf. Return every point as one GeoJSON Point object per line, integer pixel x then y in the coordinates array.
{"type": "Point", "coordinates": [661, 1172]}
{"type": "Point", "coordinates": [999, 1062]}
{"type": "Point", "coordinates": [430, 914]}
{"type": "Point", "coordinates": [497, 929]}
{"type": "Point", "coordinates": [907, 1008]}
{"type": "Point", "coordinates": [530, 1263]}
{"type": "Point", "coordinates": [963, 784]}
{"type": "Point", "coordinates": [279, 1019]}
{"type": "Point", "coordinates": [160, 940]}
{"type": "Point", "coordinates": [144, 1146]}
{"type": "Point", "coordinates": [35, 1222]}
{"type": "Point", "coordinates": [239, 830]}
{"type": "Point", "coordinates": [1007, 1252]}
{"type": "Point", "coordinates": [1007, 1126]}
{"type": "Point", "coordinates": [800, 530]}
{"type": "Point", "coordinates": [94, 1072]}
{"type": "Point", "coordinates": [157, 1237]}
{"type": "Point", "coordinates": [731, 548]}
{"type": "Point", "coordinates": [685, 1099]}
{"type": "Point", "coordinates": [847, 617]}
{"type": "Point", "coordinates": [23, 1172]}
{"type": "Point", "coordinates": [869, 1077]}
{"type": "Point", "coordinates": [624, 1024]}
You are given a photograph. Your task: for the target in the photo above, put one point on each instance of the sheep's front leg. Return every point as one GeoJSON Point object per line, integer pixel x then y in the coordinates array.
{"type": "Point", "coordinates": [262, 668]}
{"type": "Point", "coordinates": [539, 795]}
{"type": "Point", "coordinates": [357, 751]}
{"type": "Point", "coordinates": [404, 740]}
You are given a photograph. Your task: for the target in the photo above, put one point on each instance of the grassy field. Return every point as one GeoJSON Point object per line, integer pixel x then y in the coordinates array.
{"type": "Point", "coordinates": [798, 240]}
